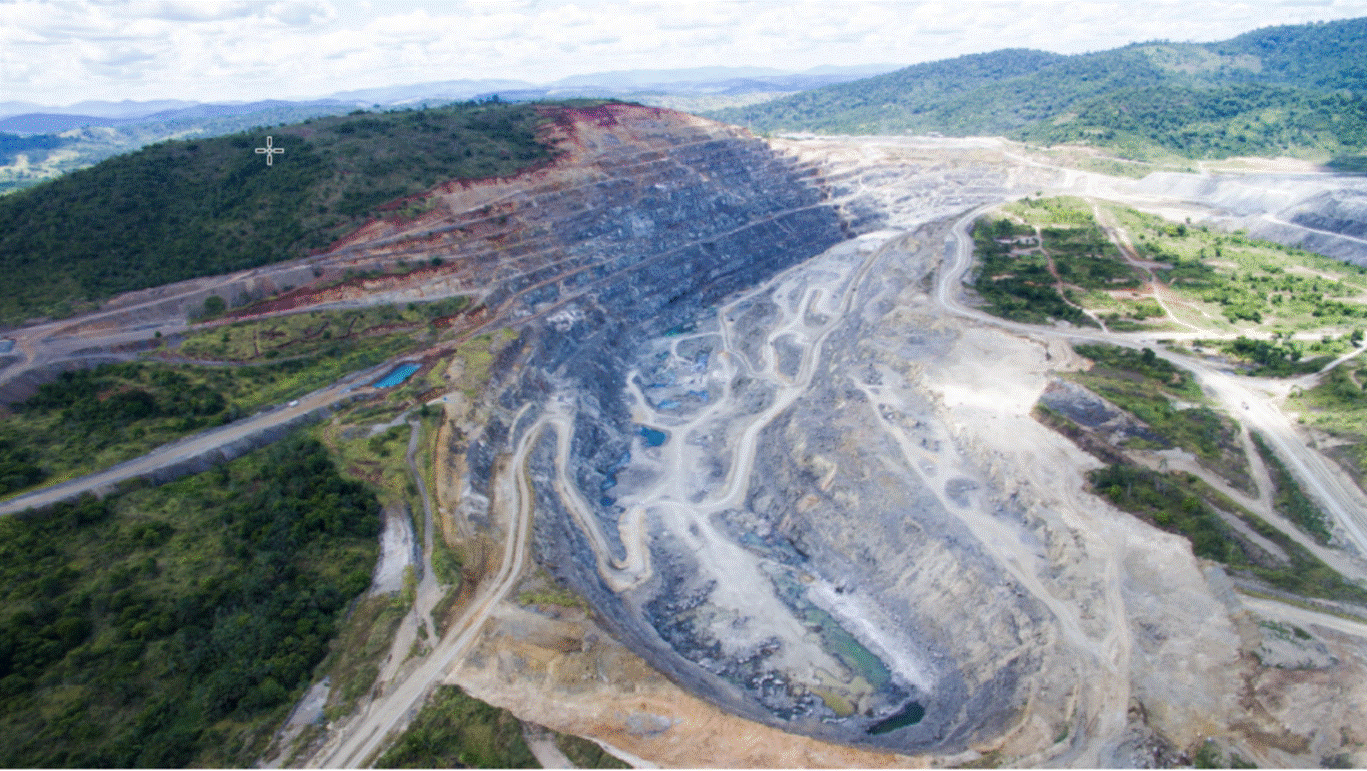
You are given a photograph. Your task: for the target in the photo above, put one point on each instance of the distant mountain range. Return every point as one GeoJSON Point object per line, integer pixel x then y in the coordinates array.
{"type": "Point", "coordinates": [57, 120]}
{"type": "Point", "coordinates": [1296, 90]}
{"type": "Point", "coordinates": [39, 142]}
{"type": "Point", "coordinates": [28, 117]}
{"type": "Point", "coordinates": [125, 109]}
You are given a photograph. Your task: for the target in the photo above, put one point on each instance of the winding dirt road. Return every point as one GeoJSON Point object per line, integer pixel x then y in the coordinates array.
{"type": "Point", "coordinates": [358, 743]}
{"type": "Point", "coordinates": [1330, 487]}
{"type": "Point", "coordinates": [190, 447]}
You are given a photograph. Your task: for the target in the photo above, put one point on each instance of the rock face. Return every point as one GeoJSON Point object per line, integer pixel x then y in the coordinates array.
{"type": "Point", "coordinates": [642, 204]}
{"type": "Point", "coordinates": [721, 469]}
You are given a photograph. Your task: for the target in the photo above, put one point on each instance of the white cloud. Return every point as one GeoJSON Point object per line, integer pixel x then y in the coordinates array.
{"type": "Point", "coordinates": [199, 11]}
{"type": "Point", "coordinates": [65, 52]}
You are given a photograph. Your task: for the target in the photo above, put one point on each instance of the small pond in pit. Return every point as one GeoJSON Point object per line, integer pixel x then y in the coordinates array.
{"type": "Point", "coordinates": [911, 714]}
{"type": "Point", "coordinates": [653, 438]}
{"type": "Point", "coordinates": [398, 375]}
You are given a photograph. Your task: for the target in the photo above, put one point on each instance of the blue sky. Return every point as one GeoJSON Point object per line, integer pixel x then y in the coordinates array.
{"type": "Point", "coordinates": [58, 53]}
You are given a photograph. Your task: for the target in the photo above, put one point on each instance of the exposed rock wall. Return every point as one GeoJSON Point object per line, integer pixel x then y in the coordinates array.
{"type": "Point", "coordinates": [811, 623]}
{"type": "Point", "coordinates": [634, 186]}
{"type": "Point", "coordinates": [1321, 213]}
{"type": "Point", "coordinates": [785, 491]}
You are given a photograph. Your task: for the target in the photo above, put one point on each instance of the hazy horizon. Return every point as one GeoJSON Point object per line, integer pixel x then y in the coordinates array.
{"type": "Point", "coordinates": [61, 54]}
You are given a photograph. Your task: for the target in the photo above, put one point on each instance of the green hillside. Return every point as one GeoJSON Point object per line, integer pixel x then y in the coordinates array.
{"type": "Point", "coordinates": [1323, 56]}
{"type": "Point", "coordinates": [1297, 90]}
{"type": "Point", "coordinates": [182, 209]}
{"type": "Point", "coordinates": [174, 627]}
{"type": "Point", "coordinates": [47, 156]}
{"type": "Point", "coordinates": [1206, 123]}
{"type": "Point", "coordinates": [915, 98]}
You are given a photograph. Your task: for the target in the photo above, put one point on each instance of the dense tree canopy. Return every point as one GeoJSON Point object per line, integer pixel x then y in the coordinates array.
{"type": "Point", "coordinates": [154, 627]}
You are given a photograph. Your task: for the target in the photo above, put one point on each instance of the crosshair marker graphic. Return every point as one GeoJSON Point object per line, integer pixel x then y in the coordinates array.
{"type": "Point", "coordinates": [269, 151]}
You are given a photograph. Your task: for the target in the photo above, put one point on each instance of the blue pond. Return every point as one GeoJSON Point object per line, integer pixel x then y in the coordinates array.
{"type": "Point", "coordinates": [910, 714]}
{"type": "Point", "coordinates": [653, 438]}
{"type": "Point", "coordinates": [400, 374]}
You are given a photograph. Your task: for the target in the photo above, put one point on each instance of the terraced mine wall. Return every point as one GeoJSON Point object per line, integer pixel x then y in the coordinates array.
{"type": "Point", "coordinates": [838, 559]}
{"type": "Point", "coordinates": [1323, 213]}
{"type": "Point", "coordinates": [664, 236]}
{"type": "Point", "coordinates": [643, 295]}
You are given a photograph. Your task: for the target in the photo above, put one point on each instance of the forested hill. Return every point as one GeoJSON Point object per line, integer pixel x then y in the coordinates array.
{"type": "Point", "coordinates": [1324, 56]}
{"type": "Point", "coordinates": [182, 209]}
{"type": "Point", "coordinates": [1295, 89]}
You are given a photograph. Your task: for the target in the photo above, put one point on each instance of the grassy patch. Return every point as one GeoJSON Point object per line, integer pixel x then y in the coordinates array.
{"type": "Point", "coordinates": [1210, 756]}
{"type": "Point", "coordinates": [1144, 364]}
{"type": "Point", "coordinates": [1147, 387]}
{"type": "Point", "coordinates": [559, 597]}
{"type": "Point", "coordinates": [455, 730]}
{"type": "Point", "coordinates": [1220, 281]}
{"type": "Point", "coordinates": [1282, 356]}
{"type": "Point", "coordinates": [445, 564]}
{"type": "Point", "coordinates": [379, 459]}
{"type": "Point", "coordinates": [586, 754]}
{"type": "Point", "coordinates": [364, 639]}
{"type": "Point", "coordinates": [1055, 212]}
{"type": "Point", "coordinates": [1048, 259]}
{"type": "Point", "coordinates": [1258, 285]}
{"type": "Point", "coordinates": [1290, 499]}
{"type": "Point", "coordinates": [542, 589]}
{"type": "Point", "coordinates": [477, 359]}
{"type": "Point", "coordinates": [174, 626]}
{"type": "Point", "coordinates": [1017, 287]}
{"type": "Point", "coordinates": [1181, 503]}
{"type": "Point", "coordinates": [1338, 405]}
{"type": "Point", "coordinates": [442, 611]}
{"type": "Point", "coordinates": [317, 332]}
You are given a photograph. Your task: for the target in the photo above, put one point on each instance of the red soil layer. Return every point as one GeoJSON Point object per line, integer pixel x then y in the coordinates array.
{"type": "Point", "coordinates": [487, 230]}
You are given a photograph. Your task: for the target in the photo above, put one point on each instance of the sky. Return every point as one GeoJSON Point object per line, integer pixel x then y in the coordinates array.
{"type": "Point", "coordinates": [59, 53]}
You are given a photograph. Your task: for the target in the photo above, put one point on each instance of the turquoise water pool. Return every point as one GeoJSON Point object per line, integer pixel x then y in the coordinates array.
{"type": "Point", "coordinates": [398, 375]}
{"type": "Point", "coordinates": [653, 438]}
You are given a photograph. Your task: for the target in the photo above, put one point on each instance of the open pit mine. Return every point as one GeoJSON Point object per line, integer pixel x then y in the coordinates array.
{"type": "Point", "coordinates": [749, 417]}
